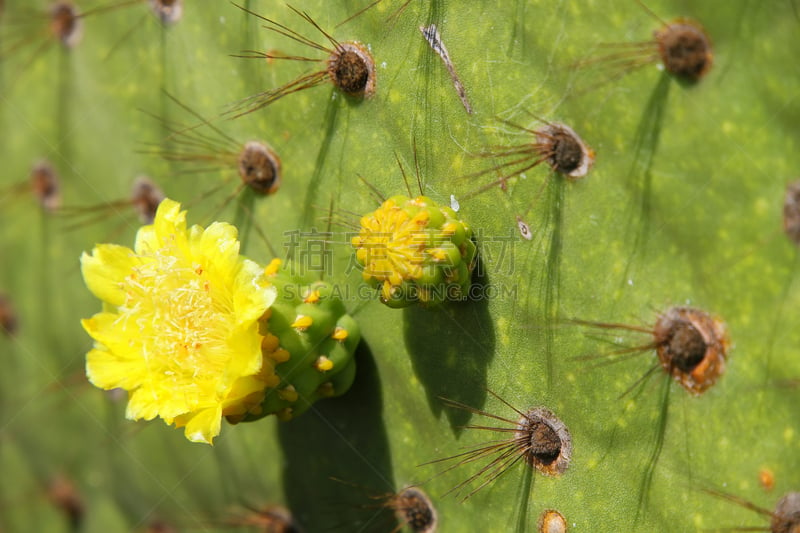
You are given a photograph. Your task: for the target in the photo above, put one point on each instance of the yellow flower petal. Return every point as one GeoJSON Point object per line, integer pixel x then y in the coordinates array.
{"type": "Point", "coordinates": [204, 426]}
{"type": "Point", "coordinates": [240, 391]}
{"type": "Point", "coordinates": [181, 333]}
{"type": "Point", "coordinates": [105, 268]}
{"type": "Point", "coordinates": [215, 249]}
{"type": "Point", "coordinates": [107, 371]}
{"type": "Point", "coordinates": [146, 240]}
{"type": "Point", "coordinates": [247, 346]}
{"type": "Point", "coordinates": [169, 221]}
{"type": "Point", "coordinates": [143, 404]}
{"type": "Point", "coordinates": [115, 334]}
{"type": "Point", "coordinates": [250, 299]}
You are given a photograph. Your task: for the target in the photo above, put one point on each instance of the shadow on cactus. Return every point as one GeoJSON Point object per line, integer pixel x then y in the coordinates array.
{"type": "Point", "coordinates": [342, 438]}
{"type": "Point", "coordinates": [389, 511]}
{"type": "Point", "coordinates": [166, 13]}
{"type": "Point", "coordinates": [451, 347]}
{"type": "Point", "coordinates": [692, 349]}
{"type": "Point", "coordinates": [570, 159]}
{"type": "Point", "coordinates": [414, 251]}
{"type": "Point", "coordinates": [683, 51]}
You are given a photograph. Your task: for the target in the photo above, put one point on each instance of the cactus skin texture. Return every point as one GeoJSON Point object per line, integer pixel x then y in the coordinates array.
{"type": "Point", "coordinates": [415, 251]}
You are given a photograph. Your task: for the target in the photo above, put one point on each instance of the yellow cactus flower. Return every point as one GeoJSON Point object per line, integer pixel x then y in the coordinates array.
{"type": "Point", "coordinates": [179, 328]}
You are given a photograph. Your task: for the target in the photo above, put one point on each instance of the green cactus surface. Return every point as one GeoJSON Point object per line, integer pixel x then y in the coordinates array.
{"type": "Point", "coordinates": [316, 339]}
{"type": "Point", "coordinates": [567, 280]}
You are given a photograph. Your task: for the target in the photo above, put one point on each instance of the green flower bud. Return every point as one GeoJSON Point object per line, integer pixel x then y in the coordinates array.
{"type": "Point", "coordinates": [414, 250]}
